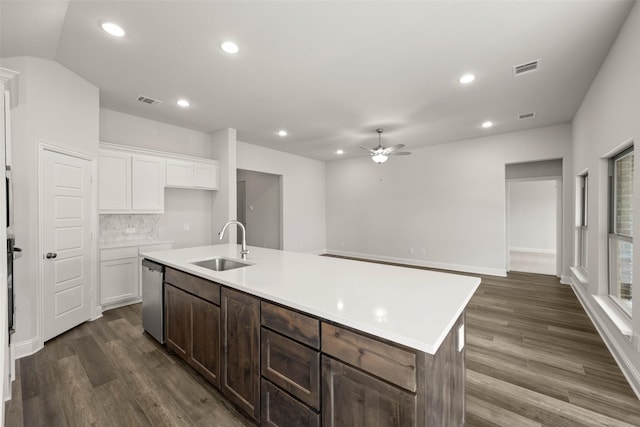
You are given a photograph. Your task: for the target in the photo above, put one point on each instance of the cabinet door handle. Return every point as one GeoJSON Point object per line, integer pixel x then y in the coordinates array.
{"type": "Point", "coordinates": [50, 255]}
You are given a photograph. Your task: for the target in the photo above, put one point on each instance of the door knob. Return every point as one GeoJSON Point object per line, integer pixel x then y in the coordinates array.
{"type": "Point", "coordinates": [50, 255]}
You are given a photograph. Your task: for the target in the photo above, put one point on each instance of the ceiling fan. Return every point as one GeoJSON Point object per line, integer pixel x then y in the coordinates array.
{"type": "Point", "coordinates": [380, 154]}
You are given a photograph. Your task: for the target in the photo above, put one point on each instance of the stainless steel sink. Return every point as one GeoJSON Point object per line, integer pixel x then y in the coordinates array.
{"type": "Point", "coordinates": [221, 264]}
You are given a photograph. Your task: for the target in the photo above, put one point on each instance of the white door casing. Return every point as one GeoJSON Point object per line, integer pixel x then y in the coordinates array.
{"type": "Point", "coordinates": [67, 272]}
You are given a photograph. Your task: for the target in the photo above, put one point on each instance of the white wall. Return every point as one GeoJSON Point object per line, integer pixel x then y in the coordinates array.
{"type": "Point", "coordinates": [532, 216]}
{"type": "Point", "coordinates": [121, 128]}
{"type": "Point", "coordinates": [443, 206]}
{"type": "Point", "coordinates": [182, 206]}
{"type": "Point", "coordinates": [262, 208]}
{"type": "Point", "coordinates": [608, 117]}
{"type": "Point", "coordinates": [224, 206]}
{"type": "Point", "coordinates": [60, 108]}
{"type": "Point", "coordinates": [303, 194]}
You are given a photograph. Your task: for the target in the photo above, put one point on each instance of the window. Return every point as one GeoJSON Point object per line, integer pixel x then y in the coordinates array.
{"type": "Point", "coordinates": [621, 229]}
{"type": "Point", "coordinates": [583, 183]}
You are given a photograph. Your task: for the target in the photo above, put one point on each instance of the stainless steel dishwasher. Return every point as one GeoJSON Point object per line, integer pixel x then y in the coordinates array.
{"type": "Point", "coordinates": [153, 299]}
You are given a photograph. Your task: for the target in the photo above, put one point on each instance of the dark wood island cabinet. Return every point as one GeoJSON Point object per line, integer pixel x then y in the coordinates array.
{"type": "Point", "coordinates": [283, 367]}
{"type": "Point", "coordinates": [192, 322]}
{"type": "Point", "coordinates": [241, 350]}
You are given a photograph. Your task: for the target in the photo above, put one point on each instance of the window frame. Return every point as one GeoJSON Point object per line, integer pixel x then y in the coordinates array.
{"type": "Point", "coordinates": [613, 237]}
{"type": "Point", "coordinates": [583, 223]}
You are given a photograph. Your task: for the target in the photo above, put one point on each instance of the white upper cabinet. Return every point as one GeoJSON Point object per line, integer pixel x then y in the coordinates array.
{"type": "Point", "coordinates": [205, 175]}
{"type": "Point", "coordinates": [130, 183]}
{"type": "Point", "coordinates": [132, 180]}
{"type": "Point", "coordinates": [147, 185]}
{"type": "Point", "coordinates": [179, 173]}
{"type": "Point", "coordinates": [114, 182]}
{"type": "Point", "coordinates": [192, 174]}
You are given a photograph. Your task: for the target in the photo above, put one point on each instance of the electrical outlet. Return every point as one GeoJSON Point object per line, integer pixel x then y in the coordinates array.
{"type": "Point", "coordinates": [424, 251]}
{"type": "Point", "coordinates": [187, 226]}
{"type": "Point", "coordinates": [130, 230]}
{"type": "Point", "coordinates": [411, 251]}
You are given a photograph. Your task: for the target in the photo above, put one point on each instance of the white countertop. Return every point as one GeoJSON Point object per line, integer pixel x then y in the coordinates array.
{"type": "Point", "coordinates": [412, 307]}
{"type": "Point", "coordinates": [110, 244]}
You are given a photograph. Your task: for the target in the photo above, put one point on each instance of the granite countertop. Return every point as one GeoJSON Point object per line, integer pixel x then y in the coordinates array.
{"type": "Point", "coordinates": [413, 307]}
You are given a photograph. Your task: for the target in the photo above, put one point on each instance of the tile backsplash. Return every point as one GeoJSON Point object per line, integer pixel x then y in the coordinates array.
{"type": "Point", "coordinates": [129, 227]}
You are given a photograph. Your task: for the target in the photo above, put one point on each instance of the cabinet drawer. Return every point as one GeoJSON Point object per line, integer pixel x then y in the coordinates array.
{"type": "Point", "coordinates": [295, 325]}
{"type": "Point", "coordinates": [396, 365]}
{"type": "Point", "coordinates": [280, 409]}
{"type": "Point", "coordinates": [202, 288]}
{"type": "Point", "coordinates": [292, 366]}
{"type": "Point", "coordinates": [353, 398]}
{"type": "Point", "coordinates": [118, 253]}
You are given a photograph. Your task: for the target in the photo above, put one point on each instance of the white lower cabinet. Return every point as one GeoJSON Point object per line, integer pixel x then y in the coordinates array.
{"type": "Point", "coordinates": [119, 279]}
{"type": "Point", "coordinates": [120, 274]}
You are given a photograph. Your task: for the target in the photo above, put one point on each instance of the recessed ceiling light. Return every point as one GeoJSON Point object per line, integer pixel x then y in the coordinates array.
{"type": "Point", "coordinates": [229, 47]}
{"type": "Point", "coordinates": [113, 29]}
{"type": "Point", "coordinates": [340, 152]}
{"type": "Point", "coordinates": [467, 78]}
{"type": "Point", "coordinates": [487, 124]}
{"type": "Point", "coordinates": [183, 103]}
{"type": "Point", "coordinates": [282, 132]}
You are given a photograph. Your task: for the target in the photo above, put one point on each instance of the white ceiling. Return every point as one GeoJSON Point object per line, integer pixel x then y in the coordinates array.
{"type": "Point", "coordinates": [329, 72]}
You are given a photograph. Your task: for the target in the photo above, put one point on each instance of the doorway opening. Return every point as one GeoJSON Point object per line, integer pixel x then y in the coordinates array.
{"type": "Point", "coordinates": [534, 217]}
{"type": "Point", "coordinates": [259, 208]}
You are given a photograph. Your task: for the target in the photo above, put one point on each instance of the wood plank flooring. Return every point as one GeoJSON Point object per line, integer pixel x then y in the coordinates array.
{"type": "Point", "coordinates": [533, 358]}
{"type": "Point", "coordinates": [109, 373]}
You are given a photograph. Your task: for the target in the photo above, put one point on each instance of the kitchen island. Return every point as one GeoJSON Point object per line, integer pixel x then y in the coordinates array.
{"type": "Point", "coordinates": [298, 339]}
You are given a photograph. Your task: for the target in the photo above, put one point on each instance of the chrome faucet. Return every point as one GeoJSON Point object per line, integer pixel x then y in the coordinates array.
{"type": "Point", "coordinates": [244, 251]}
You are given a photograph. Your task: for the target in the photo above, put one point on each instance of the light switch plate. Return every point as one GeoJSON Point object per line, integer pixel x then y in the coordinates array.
{"type": "Point", "coordinates": [460, 338]}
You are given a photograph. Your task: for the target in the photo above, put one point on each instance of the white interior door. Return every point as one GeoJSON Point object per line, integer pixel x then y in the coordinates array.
{"type": "Point", "coordinates": [67, 258]}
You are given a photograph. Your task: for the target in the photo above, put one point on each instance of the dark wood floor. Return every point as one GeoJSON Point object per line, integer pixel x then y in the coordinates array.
{"type": "Point", "coordinates": [108, 373]}
{"type": "Point", "coordinates": [533, 359]}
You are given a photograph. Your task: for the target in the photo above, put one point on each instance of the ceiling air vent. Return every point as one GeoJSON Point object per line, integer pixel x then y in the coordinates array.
{"type": "Point", "coordinates": [529, 67]}
{"type": "Point", "coordinates": [148, 101]}
{"type": "Point", "coordinates": [526, 116]}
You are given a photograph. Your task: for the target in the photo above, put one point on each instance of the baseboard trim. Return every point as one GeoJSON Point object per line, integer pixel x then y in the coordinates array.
{"type": "Point", "coordinates": [420, 263]}
{"type": "Point", "coordinates": [317, 252]}
{"type": "Point", "coordinates": [26, 348]}
{"type": "Point", "coordinates": [533, 250]}
{"type": "Point", "coordinates": [565, 280]}
{"type": "Point", "coordinates": [119, 304]}
{"type": "Point", "coordinates": [628, 370]}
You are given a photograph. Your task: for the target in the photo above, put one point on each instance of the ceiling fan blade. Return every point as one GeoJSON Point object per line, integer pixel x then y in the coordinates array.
{"type": "Point", "coordinates": [394, 148]}
{"type": "Point", "coordinates": [366, 148]}
{"type": "Point", "coordinates": [399, 153]}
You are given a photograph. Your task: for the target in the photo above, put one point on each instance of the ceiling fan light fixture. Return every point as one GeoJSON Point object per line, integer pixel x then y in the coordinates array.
{"type": "Point", "coordinates": [379, 158]}
{"type": "Point", "coordinates": [380, 154]}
